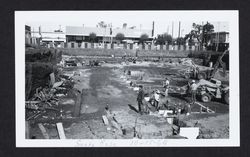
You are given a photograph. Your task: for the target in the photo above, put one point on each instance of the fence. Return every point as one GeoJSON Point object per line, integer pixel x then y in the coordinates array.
{"type": "Point", "coordinates": [85, 45]}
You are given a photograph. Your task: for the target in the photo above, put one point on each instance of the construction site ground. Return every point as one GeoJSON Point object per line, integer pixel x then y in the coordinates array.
{"type": "Point", "coordinates": [109, 84]}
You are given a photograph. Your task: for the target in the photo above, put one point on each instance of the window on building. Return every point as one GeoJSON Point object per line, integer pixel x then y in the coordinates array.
{"type": "Point", "coordinates": [78, 38]}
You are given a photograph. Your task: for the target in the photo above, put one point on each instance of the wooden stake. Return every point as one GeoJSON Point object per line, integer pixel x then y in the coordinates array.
{"type": "Point", "coordinates": [52, 78]}
{"type": "Point", "coordinates": [105, 120]}
{"type": "Point", "coordinates": [43, 130]}
{"type": "Point", "coordinates": [60, 130]}
{"type": "Point", "coordinates": [208, 109]}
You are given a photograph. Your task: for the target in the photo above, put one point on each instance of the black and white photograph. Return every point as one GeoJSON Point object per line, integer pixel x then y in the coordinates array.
{"type": "Point", "coordinates": [127, 78]}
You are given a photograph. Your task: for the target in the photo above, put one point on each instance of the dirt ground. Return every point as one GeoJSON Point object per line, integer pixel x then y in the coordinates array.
{"type": "Point", "coordinates": [108, 85]}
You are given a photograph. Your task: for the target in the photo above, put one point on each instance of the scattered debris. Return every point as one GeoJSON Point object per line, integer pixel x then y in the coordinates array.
{"type": "Point", "coordinates": [70, 63]}
{"type": "Point", "coordinates": [62, 97]}
{"type": "Point", "coordinates": [165, 113]}
{"type": "Point", "coordinates": [109, 120]}
{"type": "Point", "coordinates": [67, 102]}
{"type": "Point", "coordinates": [57, 84]}
{"type": "Point", "coordinates": [35, 115]}
{"type": "Point", "coordinates": [170, 120]}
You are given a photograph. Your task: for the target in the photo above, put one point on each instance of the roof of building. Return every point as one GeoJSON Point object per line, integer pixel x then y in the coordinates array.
{"type": "Point", "coordinates": [85, 31]}
{"type": "Point", "coordinates": [220, 32]}
{"type": "Point", "coordinates": [56, 36]}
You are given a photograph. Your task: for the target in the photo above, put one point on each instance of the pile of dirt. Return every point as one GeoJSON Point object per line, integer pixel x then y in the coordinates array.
{"type": "Point", "coordinates": [190, 61]}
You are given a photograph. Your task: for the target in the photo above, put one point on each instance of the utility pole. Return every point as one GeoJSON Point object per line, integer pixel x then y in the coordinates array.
{"type": "Point", "coordinates": [104, 35]}
{"type": "Point", "coordinates": [179, 32]}
{"type": "Point", "coordinates": [111, 32]}
{"type": "Point", "coordinates": [179, 29]}
{"type": "Point", "coordinates": [153, 31]}
{"type": "Point", "coordinates": [202, 35]}
{"type": "Point", "coordinates": [103, 40]}
{"type": "Point", "coordinates": [153, 28]}
{"type": "Point", "coordinates": [172, 32]}
{"type": "Point", "coordinates": [40, 33]}
{"type": "Point", "coordinates": [218, 36]}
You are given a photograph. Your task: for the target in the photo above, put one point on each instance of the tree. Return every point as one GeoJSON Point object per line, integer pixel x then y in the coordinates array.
{"type": "Point", "coordinates": [143, 38]}
{"type": "Point", "coordinates": [120, 37]}
{"type": "Point", "coordinates": [160, 40]}
{"type": "Point", "coordinates": [190, 41]}
{"type": "Point", "coordinates": [92, 37]}
{"type": "Point", "coordinates": [200, 33]}
{"type": "Point", "coordinates": [168, 38]}
{"type": "Point", "coordinates": [163, 39]}
{"type": "Point", "coordinates": [180, 41]}
{"type": "Point", "coordinates": [207, 30]}
{"type": "Point", "coordinates": [102, 24]}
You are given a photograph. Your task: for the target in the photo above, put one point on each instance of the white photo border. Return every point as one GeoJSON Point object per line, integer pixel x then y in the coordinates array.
{"type": "Point", "coordinates": [231, 16]}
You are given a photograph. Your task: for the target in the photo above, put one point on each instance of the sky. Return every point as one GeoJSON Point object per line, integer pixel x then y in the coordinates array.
{"type": "Point", "coordinates": [163, 21]}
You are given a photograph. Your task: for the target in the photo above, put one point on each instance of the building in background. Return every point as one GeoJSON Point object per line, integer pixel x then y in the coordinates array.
{"type": "Point", "coordinates": [219, 41]}
{"type": "Point", "coordinates": [27, 35]}
{"type": "Point", "coordinates": [49, 39]}
{"type": "Point", "coordinates": [82, 34]}
{"type": "Point", "coordinates": [221, 37]}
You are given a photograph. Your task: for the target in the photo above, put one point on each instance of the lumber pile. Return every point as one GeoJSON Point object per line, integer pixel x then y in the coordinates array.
{"type": "Point", "coordinates": [39, 64]}
{"type": "Point", "coordinates": [44, 83]}
{"type": "Point", "coordinates": [37, 75]}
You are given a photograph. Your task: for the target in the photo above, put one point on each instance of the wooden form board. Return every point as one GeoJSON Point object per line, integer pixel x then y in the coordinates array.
{"type": "Point", "coordinates": [60, 130]}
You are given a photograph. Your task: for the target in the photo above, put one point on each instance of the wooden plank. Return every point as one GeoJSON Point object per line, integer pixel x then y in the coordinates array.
{"type": "Point", "coordinates": [52, 78]}
{"type": "Point", "coordinates": [43, 130]}
{"type": "Point", "coordinates": [208, 109]}
{"type": "Point", "coordinates": [32, 102]}
{"type": "Point", "coordinates": [27, 130]}
{"type": "Point", "coordinates": [34, 115]}
{"type": "Point", "coordinates": [105, 120]}
{"type": "Point", "coordinates": [60, 131]}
